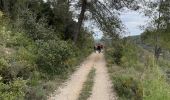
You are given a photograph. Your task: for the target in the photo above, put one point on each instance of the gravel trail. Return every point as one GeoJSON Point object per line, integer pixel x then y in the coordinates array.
{"type": "Point", "coordinates": [102, 89]}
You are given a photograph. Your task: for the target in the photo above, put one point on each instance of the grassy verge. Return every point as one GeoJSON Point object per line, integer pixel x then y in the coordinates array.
{"type": "Point", "coordinates": [138, 76]}
{"type": "Point", "coordinates": [88, 85]}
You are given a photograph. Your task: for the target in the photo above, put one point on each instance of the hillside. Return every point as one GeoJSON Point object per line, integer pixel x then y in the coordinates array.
{"type": "Point", "coordinates": [37, 51]}
{"type": "Point", "coordinates": [48, 51]}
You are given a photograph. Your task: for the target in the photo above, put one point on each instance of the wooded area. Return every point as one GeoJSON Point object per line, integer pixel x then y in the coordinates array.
{"type": "Point", "coordinates": [41, 44]}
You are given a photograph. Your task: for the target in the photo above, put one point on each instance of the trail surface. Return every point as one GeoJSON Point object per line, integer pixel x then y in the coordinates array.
{"type": "Point", "coordinates": [102, 89]}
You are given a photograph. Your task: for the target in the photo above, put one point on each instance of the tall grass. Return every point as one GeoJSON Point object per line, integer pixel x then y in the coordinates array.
{"type": "Point", "coordinates": [138, 76]}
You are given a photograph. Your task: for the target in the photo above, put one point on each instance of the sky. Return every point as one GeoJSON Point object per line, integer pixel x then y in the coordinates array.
{"type": "Point", "coordinates": [132, 20]}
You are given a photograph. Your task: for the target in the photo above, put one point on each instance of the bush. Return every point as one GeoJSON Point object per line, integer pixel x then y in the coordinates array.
{"type": "Point", "coordinates": [115, 54]}
{"type": "Point", "coordinates": [30, 54]}
{"type": "Point", "coordinates": [128, 87]}
{"type": "Point", "coordinates": [13, 91]}
{"type": "Point", "coordinates": [53, 56]}
{"type": "Point", "coordinates": [140, 78]}
{"type": "Point", "coordinates": [36, 93]}
{"type": "Point", "coordinates": [155, 84]}
{"type": "Point", "coordinates": [130, 56]}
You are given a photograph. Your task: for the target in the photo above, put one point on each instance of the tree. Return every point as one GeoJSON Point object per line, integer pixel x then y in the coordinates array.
{"type": "Point", "coordinates": [158, 11]}
{"type": "Point", "coordinates": [103, 13]}
{"type": "Point", "coordinates": [80, 19]}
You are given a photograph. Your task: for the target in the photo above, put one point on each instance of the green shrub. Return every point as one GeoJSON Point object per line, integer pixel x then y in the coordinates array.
{"type": "Point", "coordinates": [155, 85]}
{"type": "Point", "coordinates": [129, 56]}
{"type": "Point", "coordinates": [30, 55]}
{"type": "Point", "coordinates": [140, 77]}
{"type": "Point", "coordinates": [13, 91]}
{"type": "Point", "coordinates": [53, 56]}
{"type": "Point", "coordinates": [36, 93]}
{"type": "Point", "coordinates": [128, 88]}
{"type": "Point", "coordinates": [17, 39]}
{"type": "Point", "coordinates": [115, 54]}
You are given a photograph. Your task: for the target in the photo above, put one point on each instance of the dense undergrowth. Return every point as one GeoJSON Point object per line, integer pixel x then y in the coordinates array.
{"type": "Point", "coordinates": [135, 73]}
{"type": "Point", "coordinates": [30, 68]}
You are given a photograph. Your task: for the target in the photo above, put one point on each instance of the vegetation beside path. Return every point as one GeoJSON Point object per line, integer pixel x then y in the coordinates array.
{"type": "Point", "coordinates": [135, 73]}
{"type": "Point", "coordinates": [37, 52]}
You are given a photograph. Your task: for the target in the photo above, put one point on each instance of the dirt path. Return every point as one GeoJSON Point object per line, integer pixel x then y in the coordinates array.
{"type": "Point", "coordinates": [102, 87]}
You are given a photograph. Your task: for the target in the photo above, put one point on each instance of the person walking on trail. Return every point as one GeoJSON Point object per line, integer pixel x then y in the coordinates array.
{"type": "Point", "coordinates": [99, 48]}
{"type": "Point", "coordinates": [95, 48]}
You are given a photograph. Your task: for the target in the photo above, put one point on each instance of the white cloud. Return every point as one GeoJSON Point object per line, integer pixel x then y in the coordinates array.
{"type": "Point", "coordinates": [132, 21]}
{"type": "Point", "coordinates": [45, 0]}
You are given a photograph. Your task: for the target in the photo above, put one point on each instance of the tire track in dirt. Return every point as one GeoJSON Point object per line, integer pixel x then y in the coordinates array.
{"type": "Point", "coordinates": [102, 89]}
{"type": "Point", "coordinates": [72, 88]}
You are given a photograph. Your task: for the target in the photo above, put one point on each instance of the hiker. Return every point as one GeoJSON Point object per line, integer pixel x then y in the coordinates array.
{"type": "Point", "coordinates": [99, 48]}
{"type": "Point", "coordinates": [95, 49]}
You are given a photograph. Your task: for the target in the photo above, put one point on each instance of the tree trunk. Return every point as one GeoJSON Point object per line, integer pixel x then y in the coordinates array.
{"type": "Point", "coordinates": [80, 20]}
{"type": "Point", "coordinates": [1, 5]}
{"type": "Point", "coordinates": [4, 5]}
{"type": "Point", "coordinates": [157, 47]}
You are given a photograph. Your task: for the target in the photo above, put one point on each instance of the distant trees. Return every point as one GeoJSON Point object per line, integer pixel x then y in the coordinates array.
{"type": "Point", "coordinates": [54, 11]}
{"type": "Point", "coordinates": [104, 13]}
{"type": "Point", "coordinates": [158, 12]}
